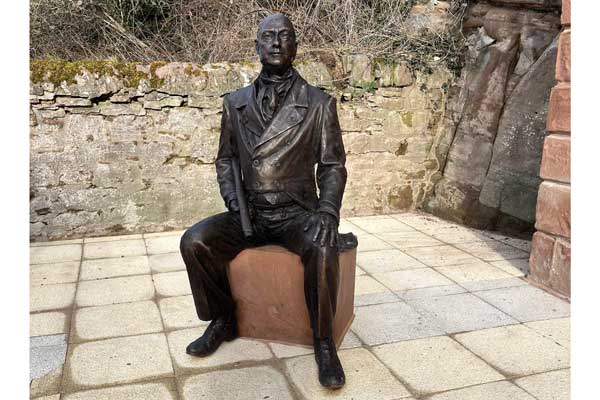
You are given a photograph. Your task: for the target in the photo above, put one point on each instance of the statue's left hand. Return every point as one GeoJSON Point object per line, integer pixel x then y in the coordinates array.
{"type": "Point", "coordinates": [324, 227]}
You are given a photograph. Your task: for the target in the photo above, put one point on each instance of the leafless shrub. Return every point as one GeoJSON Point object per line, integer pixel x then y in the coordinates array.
{"type": "Point", "coordinates": [224, 30]}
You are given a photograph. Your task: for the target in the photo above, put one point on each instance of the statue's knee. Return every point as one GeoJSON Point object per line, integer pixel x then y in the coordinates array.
{"type": "Point", "coordinates": [191, 241]}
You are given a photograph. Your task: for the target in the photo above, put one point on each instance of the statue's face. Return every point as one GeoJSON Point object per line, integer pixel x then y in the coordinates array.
{"type": "Point", "coordinates": [276, 42]}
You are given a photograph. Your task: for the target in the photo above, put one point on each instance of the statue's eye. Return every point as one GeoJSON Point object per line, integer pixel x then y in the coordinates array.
{"type": "Point", "coordinates": [284, 35]}
{"type": "Point", "coordinates": [267, 36]}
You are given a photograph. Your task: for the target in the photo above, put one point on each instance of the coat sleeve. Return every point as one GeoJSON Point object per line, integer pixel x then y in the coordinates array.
{"type": "Point", "coordinates": [331, 170]}
{"type": "Point", "coordinates": [227, 150]}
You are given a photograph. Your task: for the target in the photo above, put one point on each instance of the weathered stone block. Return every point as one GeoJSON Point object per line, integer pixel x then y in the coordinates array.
{"type": "Point", "coordinates": [563, 62]}
{"type": "Point", "coordinates": [553, 213]}
{"type": "Point", "coordinates": [560, 277]}
{"type": "Point", "coordinates": [559, 109]}
{"type": "Point", "coordinates": [550, 263]}
{"type": "Point", "coordinates": [72, 101]}
{"type": "Point", "coordinates": [565, 18]}
{"type": "Point", "coordinates": [268, 286]}
{"type": "Point", "coordinates": [360, 68]}
{"type": "Point", "coordinates": [556, 159]}
{"type": "Point", "coordinates": [112, 109]}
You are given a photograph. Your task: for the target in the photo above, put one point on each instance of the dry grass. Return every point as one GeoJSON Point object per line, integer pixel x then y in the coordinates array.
{"type": "Point", "coordinates": [224, 30]}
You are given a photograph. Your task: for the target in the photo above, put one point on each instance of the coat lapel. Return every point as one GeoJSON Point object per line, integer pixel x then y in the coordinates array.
{"type": "Point", "coordinates": [253, 124]}
{"type": "Point", "coordinates": [291, 113]}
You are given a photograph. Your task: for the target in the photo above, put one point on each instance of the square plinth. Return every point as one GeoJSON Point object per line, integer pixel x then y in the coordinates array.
{"type": "Point", "coordinates": [267, 284]}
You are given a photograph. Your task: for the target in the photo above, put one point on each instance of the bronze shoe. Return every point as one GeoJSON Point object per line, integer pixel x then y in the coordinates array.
{"type": "Point", "coordinates": [218, 331]}
{"type": "Point", "coordinates": [331, 373]}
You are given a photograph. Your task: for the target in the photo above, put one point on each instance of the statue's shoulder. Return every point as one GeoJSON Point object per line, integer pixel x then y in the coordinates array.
{"type": "Point", "coordinates": [316, 95]}
{"type": "Point", "coordinates": [239, 97]}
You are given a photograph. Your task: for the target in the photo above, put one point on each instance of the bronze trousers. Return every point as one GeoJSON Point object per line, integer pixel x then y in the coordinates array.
{"type": "Point", "coordinates": [209, 245]}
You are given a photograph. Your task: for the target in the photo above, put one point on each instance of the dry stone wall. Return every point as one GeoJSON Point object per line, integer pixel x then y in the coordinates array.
{"type": "Point", "coordinates": [110, 156]}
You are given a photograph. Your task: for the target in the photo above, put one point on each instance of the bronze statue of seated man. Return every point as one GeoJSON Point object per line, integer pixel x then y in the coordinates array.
{"type": "Point", "coordinates": [273, 133]}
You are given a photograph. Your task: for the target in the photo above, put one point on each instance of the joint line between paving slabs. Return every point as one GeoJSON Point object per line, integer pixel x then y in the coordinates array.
{"type": "Point", "coordinates": [164, 329]}
{"type": "Point", "coordinates": [71, 326]}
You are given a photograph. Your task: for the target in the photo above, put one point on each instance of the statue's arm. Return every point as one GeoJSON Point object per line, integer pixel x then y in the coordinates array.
{"type": "Point", "coordinates": [331, 170]}
{"type": "Point", "coordinates": [227, 150]}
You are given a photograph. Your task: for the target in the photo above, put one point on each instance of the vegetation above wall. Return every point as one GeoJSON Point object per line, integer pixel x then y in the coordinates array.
{"type": "Point", "coordinates": [420, 32]}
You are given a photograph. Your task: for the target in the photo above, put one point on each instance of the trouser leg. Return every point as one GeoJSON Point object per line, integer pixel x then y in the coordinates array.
{"type": "Point", "coordinates": [207, 248]}
{"type": "Point", "coordinates": [321, 274]}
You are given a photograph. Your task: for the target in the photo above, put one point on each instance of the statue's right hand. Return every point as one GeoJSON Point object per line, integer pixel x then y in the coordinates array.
{"type": "Point", "coordinates": [233, 206]}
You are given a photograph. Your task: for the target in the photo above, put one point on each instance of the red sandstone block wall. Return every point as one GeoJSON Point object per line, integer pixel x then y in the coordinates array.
{"type": "Point", "coordinates": [550, 260]}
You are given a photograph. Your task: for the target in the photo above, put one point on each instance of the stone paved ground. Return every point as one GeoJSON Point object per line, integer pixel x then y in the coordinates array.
{"type": "Point", "coordinates": [442, 312]}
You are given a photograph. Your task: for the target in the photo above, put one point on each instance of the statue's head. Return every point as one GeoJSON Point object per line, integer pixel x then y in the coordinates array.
{"type": "Point", "coordinates": [276, 43]}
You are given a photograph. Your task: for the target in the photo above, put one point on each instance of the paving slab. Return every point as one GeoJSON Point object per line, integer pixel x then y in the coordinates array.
{"type": "Point", "coordinates": [410, 239]}
{"type": "Point", "coordinates": [51, 297]}
{"type": "Point", "coordinates": [48, 340]}
{"type": "Point", "coordinates": [168, 262]}
{"type": "Point", "coordinates": [114, 290]}
{"type": "Point", "coordinates": [380, 224]}
{"type": "Point", "coordinates": [113, 267]}
{"type": "Point", "coordinates": [526, 303]}
{"type": "Point", "coordinates": [346, 226]}
{"type": "Point", "coordinates": [461, 312]}
{"type": "Point", "coordinates": [280, 350]}
{"type": "Point", "coordinates": [52, 273]}
{"type": "Point", "coordinates": [163, 244]}
{"type": "Point", "coordinates": [437, 256]}
{"type": "Point", "coordinates": [391, 322]}
{"type": "Point", "coordinates": [472, 272]}
{"type": "Point", "coordinates": [490, 391]}
{"type": "Point", "coordinates": [435, 364]}
{"type": "Point", "coordinates": [366, 378]}
{"type": "Point", "coordinates": [517, 267]}
{"type": "Point", "coordinates": [52, 397]}
{"type": "Point", "coordinates": [368, 291]}
{"type": "Point", "coordinates": [45, 359]}
{"type": "Point", "coordinates": [170, 284]}
{"type": "Point", "coordinates": [522, 244]}
{"type": "Point", "coordinates": [54, 253]}
{"type": "Point", "coordinates": [493, 251]}
{"type": "Point", "coordinates": [48, 384]}
{"type": "Point", "coordinates": [239, 384]}
{"type": "Point", "coordinates": [434, 291]}
{"type": "Point", "coordinates": [412, 279]}
{"type": "Point", "coordinates": [368, 242]}
{"type": "Point", "coordinates": [167, 233]}
{"type": "Point", "coordinates": [55, 242]}
{"type": "Point", "coordinates": [114, 248]}
{"type": "Point", "coordinates": [47, 323]}
{"type": "Point", "coordinates": [555, 385]}
{"type": "Point", "coordinates": [386, 260]}
{"type": "Point", "coordinates": [236, 351]}
{"type": "Point", "coordinates": [424, 222]}
{"type": "Point", "coordinates": [477, 286]}
{"type": "Point", "coordinates": [358, 271]}
{"type": "Point", "coordinates": [460, 234]}
{"type": "Point", "coordinates": [162, 390]}
{"type": "Point", "coordinates": [516, 350]}
{"type": "Point", "coordinates": [116, 361]}
{"type": "Point", "coordinates": [179, 312]}
{"type": "Point", "coordinates": [558, 330]}
{"type": "Point", "coordinates": [99, 239]}
{"type": "Point", "coordinates": [101, 322]}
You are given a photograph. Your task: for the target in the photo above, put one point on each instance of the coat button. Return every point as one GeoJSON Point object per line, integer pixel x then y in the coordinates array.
{"type": "Point", "coordinates": [255, 163]}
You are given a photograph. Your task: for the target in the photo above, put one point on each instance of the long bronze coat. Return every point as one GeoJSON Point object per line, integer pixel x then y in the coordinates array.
{"type": "Point", "coordinates": [282, 155]}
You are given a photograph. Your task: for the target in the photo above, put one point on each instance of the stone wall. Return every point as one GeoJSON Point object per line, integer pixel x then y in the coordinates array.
{"type": "Point", "coordinates": [550, 262]}
{"type": "Point", "coordinates": [497, 116]}
{"type": "Point", "coordinates": [133, 149]}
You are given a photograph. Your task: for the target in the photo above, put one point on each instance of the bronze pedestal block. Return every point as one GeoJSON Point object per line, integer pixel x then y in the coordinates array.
{"type": "Point", "coordinates": [267, 284]}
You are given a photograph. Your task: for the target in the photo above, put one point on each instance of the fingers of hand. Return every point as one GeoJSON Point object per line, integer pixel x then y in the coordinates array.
{"type": "Point", "coordinates": [318, 230]}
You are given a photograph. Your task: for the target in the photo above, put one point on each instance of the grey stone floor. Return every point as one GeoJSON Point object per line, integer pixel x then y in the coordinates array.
{"type": "Point", "coordinates": [442, 312]}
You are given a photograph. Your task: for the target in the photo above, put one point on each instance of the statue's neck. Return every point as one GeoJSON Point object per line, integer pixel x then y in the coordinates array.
{"type": "Point", "coordinates": [275, 72]}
